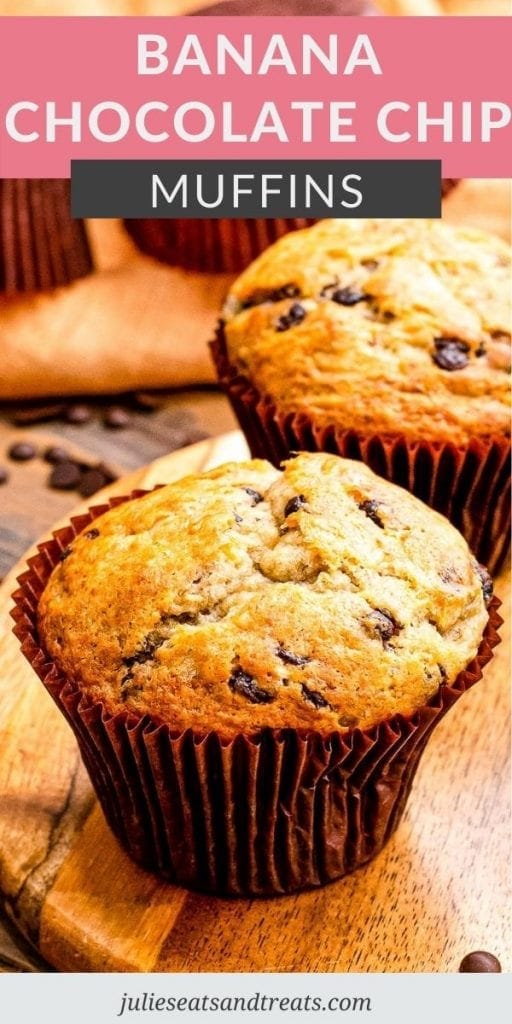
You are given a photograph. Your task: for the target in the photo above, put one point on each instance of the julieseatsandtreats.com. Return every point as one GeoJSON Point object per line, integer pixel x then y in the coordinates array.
{"type": "Point", "coordinates": [149, 1002]}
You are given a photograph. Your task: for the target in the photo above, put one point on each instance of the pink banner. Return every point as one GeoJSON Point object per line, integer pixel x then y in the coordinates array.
{"type": "Point", "coordinates": [255, 88]}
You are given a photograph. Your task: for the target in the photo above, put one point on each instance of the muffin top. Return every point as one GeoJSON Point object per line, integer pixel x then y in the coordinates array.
{"type": "Point", "coordinates": [380, 326]}
{"type": "Point", "coordinates": [318, 598]}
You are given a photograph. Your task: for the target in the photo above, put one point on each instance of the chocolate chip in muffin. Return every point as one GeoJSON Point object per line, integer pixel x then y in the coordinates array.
{"type": "Point", "coordinates": [238, 519]}
{"type": "Point", "coordinates": [255, 495]}
{"type": "Point", "coordinates": [348, 721]}
{"type": "Point", "coordinates": [347, 296]}
{"type": "Point", "coordinates": [450, 353]}
{"type": "Point", "coordinates": [294, 504]}
{"type": "Point", "coordinates": [382, 624]}
{"type": "Point", "coordinates": [295, 315]}
{"type": "Point", "coordinates": [65, 553]}
{"type": "Point", "coordinates": [314, 697]}
{"type": "Point", "coordinates": [116, 418]}
{"type": "Point", "coordinates": [487, 584]}
{"type": "Point", "coordinates": [92, 534]}
{"type": "Point", "coordinates": [292, 659]}
{"type": "Point", "coordinates": [245, 685]}
{"type": "Point", "coordinates": [370, 508]}
{"type": "Point", "coordinates": [146, 651]}
{"type": "Point", "coordinates": [263, 295]}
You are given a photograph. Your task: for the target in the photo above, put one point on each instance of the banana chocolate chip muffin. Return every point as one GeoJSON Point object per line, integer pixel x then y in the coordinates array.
{"type": "Point", "coordinates": [252, 661]}
{"type": "Point", "coordinates": [389, 341]}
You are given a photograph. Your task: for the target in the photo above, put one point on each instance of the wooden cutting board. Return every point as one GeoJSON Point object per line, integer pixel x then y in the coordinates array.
{"type": "Point", "coordinates": [438, 891]}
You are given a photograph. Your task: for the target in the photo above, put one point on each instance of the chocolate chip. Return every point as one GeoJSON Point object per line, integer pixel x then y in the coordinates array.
{"type": "Point", "coordinates": [56, 454]}
{"type": "Point", "coordinates": [285, 291]}
{"type": "Point", "coordinates": [348, 721]}
{"type": "Point", "coordinates": [255, 495]}
{"type": "Point", "coordinates": [78, 414]}
{"type": "Point", "coordinates": [291, 659]}
{"type": "Point", "coordinates": [116, 418]}
{"type": "Point", "coordinates": [65, 476]}
{"type": "Point", "coordinates": [347, 296]}
{"type": "Point", "coordinates": [480, 351]}
{"type": "Point", "coordinates": [147, 649]}
{"type": "Point", "coordinates": [480, 962]}
{"type": "Point", "coordinates": [295, 315]}
{"type": "Point", "coordinates": [92, 534]}
{"type": "Point", "coordinates": [238, 519]}
{"type": "Point", "coordinates": [244, 684]}
{"type": "Point", "coordinates": [487, 584]}
{"type": "Point", "coordinates": [22, 451]}
{"type": "Point", "coordinates": [314, 697]}
{"type": "Point", "coordinates": [4, 476]}
{"type": "Point", "coordinates": [91, 481]}
{"type": "Point", "coordinates": [65, 554]}
{"type": "Point", "coordinates": [370, 509]}
{"type": "Point", "coordinates": [443, 673]}
{"type": "Point", "coordinates": [382, 624]}
{"type": "Point", "coordinates": [450, 353]}
{"type": "Point", "coordinates": [36, 413]}
{"type": "Point", "coordinates": [294, 504]}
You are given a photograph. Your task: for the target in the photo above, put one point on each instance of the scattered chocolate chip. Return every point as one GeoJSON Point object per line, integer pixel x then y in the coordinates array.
{"type": "Point", "coordinates": [255, 495]}
{"type": "Point", "coordinates": [36, 413]}
{"type": "Point", "coordinates": [4, 476]}
{"type": "Point", "coordinates": [295, 315]}
{"type": "Point", "coordinates": [294, 504]}
{"type": "Point", "coordinates": [370, 509]}
{"type": "Point", "coordinates": [348, 721]}
{"type": "Point", "coordinates": [65, 554]}
{"type": "Point", "coordinates": [21, 451]}
{"type": "Point", "coordinates": [487, 584]}
{"type": "Point", "coordinates": [78, 413]}
{"type": "Point", "coordinates": [382, 624]}
{"type": "Point", "coordinates": [116, 418]}
{"type": "Point", "coordinates": [314, 697]}
{"type": "Point", "coordinates": [148, 401]}
{"type": "Point", "coordinates": [92, 534]}
{"type": "Point", "coordinates": [91, 481]}
{"type": "Point", "coordinates": [450, 353]}
{"type": "Point", "coordinates": [291, 659]}
{"type": "Point", "coordinates": [480, 962]}
{"type": "Point", "coordinates": [347, 296]}
{"type": "Point", "coordinates": [56, 454]}
{"type": "Point", "coordinates": [244, 684]}
{"type": "Point", "coordinates": [65, 476]}
{"type": "Point", "coordinates": [285, 291]}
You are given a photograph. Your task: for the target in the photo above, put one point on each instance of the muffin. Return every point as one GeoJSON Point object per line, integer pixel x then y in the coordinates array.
{"type": "Point", "coordinates": [229, 244]}
{"type": "Point", "coordinates": [386, 341]}
{"type": "Point", "coordinates": [252, 661]}
{"type": "Point", "coordinates": [41, 245]}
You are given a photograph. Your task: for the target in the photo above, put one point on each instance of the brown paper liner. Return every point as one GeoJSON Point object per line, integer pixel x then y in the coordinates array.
{"type": "Point", "coordinates": [209, 245]}
{"type": "Point", "coordinates": [41, 246]}
{"type": "Point", "coordinates": [259, 815]}
{"type": "Point", "coordinates": [469, 485]}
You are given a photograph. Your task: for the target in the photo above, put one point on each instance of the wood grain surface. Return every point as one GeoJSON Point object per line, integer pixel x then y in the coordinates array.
{"type": "Point", "coordinates": [439, 889]}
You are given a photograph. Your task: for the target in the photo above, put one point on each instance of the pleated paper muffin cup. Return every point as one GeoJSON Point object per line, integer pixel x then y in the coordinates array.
{"type": "Point", "coordinates": [253, 815]}
{"type": "Point", "coordinates": [41, 245]}
{"type": "Point", "coordinates": [210, 246]}
{"type": "Point", "coordinates": [468, 484]}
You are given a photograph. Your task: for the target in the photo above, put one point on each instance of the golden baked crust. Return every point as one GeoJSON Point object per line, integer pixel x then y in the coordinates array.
{"type": "Point", "coordinates": [320, 597]}
{"type": "Point", "coordinates": [381, 326]}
